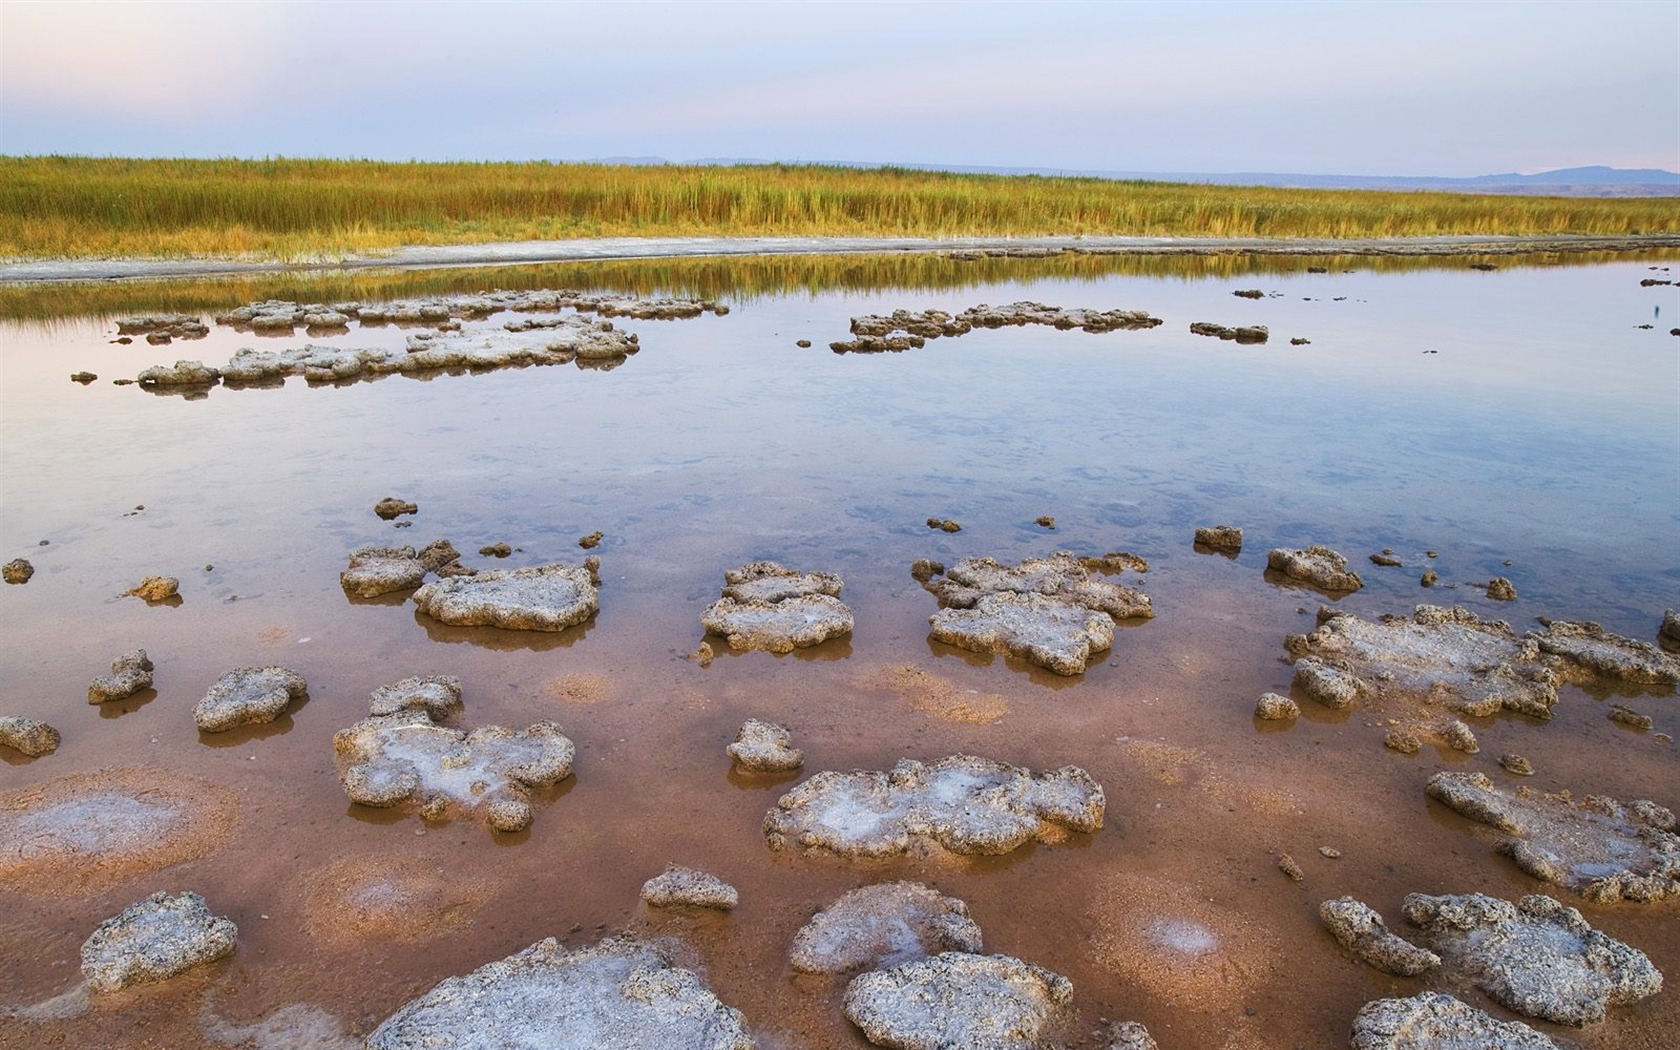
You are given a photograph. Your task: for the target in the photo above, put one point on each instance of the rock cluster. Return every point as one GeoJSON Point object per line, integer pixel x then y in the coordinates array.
{"type": "Point", "coordinates": [375, 570]}
{"type": "Point", "coordinates": [154, 940]}
{"type": "Point", "coordinates": [685, 886]}
{"type": "Point", "coordinates": [543, 598]}
{"type": "Point", "coordinates": [1319, 566]}
{"type": "Point", "coordinates": [1591, 649]}
{"type": "Point", "coordinates": [1048, 611]}
{"type": "Point", "coordinates": [31, 736]}
{"type": "Point", "coordinates": [392, 759]}
{"type": "Point", "coordinates": [769, 607]}
{"type": "Point", "coordinates": [1258, 333]}
{"type": "Point", "coordinates": [764, 747]}
{"type": "Point", "coordinates": [130, 673]}
{"type": "Point", "coordinates": [875, 333]}
{"type": "Point", "coordinates": [248, 696]}
{"type": "Point", "coordinates": [180, 326]}
{"type": "Point", "coordinates": [962, 803]}
{"type": "Point", "coordinates": [273, 315]}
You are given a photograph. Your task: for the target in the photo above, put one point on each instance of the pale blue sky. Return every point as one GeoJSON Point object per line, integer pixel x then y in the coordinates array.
{"type": "Point", "coordinates": [1349, 88]}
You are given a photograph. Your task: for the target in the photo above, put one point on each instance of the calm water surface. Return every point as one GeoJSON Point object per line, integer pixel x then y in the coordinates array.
{"type": "Point", "coordinates": [1516, 422]}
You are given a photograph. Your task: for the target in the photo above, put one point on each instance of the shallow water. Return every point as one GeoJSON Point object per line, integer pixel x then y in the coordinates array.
{"type": "Point", "coordinates": [1542, 432]}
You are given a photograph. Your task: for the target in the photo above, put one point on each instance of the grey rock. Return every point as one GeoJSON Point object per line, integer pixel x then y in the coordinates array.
{"type": "Point", "coordinates": [769, 607]}
{"type": "Point", "coordinates": [1275, 708]}
{"type": "Point", "coordinates": [1362, 931]}
{"type": "Point", "coordinates": [957, 1001]}
{"type": "Point", "coordinates": [154, 940]}
{"type": "Point", "coordinates": [1603, 849]}
{"type": "Point", "coordinates": [130, 673]}
{"type": "Point", "coordinates": [181, 374]}
{"type": "Point", "coordinates": [1130, 1035]}
{"type": "Point", "coordinates": [764, 747]}
{"type": "Point", "coordinates": [1432, 1021]}
{"type": "Point", "coordinates": [1460, 738]}
{"type": "Point", "coordinates": [1049, 632]}
{"type": "Point", "coordinates": [619, 993]}
{"type": "Point", "coordinates": [884, 925]}
{"type": "Point", "coordinates": [1320, 566]}
{"type": "Point", "coordinates": [1669, 630]}
{"type": "Point", "coordinates": [1538, 957]}
{"type": "Point", "coordinates": [544, 598]}
{"type": "Point", "coordinates": [439, 695]}
{"type": "Point", "coordinates": [1258, 333]}
{"type": "Point", "coordinates": [767, 581]}
{"type": "Point", "coordinates": [965, 804]}
{"type": "Point", "coordinates": [1220, 537]}
{"type": "Point", "coordinates": [1589, 648]}
{"type": "Point", "coordinates": [1063, 575]}
{"type": "Point", "coordinates": [686, 886]}
{"type": "Point", "coordinates": [31, 736]}
{"type": "Point", "coordinates": [185, 326]}
{"type": "Point", "coordinates": [389, 760]}
{"type": "Point", "coordinates": [1331, 686]}
{"type": "Point", "coordinates": [380, 570]}
{"type": "Point", "coordinates": [248, 696]}
{"type": "Point", "coordinates": [874, 333]}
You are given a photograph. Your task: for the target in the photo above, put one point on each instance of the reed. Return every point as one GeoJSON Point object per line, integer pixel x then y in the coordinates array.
{"type": "Point", "coordinates": [79, 207]}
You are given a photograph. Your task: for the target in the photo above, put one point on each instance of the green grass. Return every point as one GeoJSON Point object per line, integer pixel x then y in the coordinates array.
{"type": "Point", "coordinates": [81, 207]}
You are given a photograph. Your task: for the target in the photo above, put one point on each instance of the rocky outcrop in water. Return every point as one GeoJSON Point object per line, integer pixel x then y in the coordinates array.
{"type": "Point", "coordinates": [156, 939]}
{"type": "Point", "coordinates": [1319, 566]}
{"type": "Point", "coordinates": [1220, 537]}
{"type": "Point", "coordinates": [183, 373]}
{"type": "Point", "coordinates": [1603, 849]}
{"type": "Point", "coordinates": [1591, 651]}
{"type": "Point", "coordinates": [390, 507]}
{"type": "Point", "coordinates": [883, 925]}
{"type": "Point", "coordinates": [764, 747]}
{"type": "Point", "coordinates": [1359, 929]}
{"type": "Point", "coordinates": [962, 803]}
{"type": "Point", "coordinates": [18, 570]}
{"type": "Point", "coordinates": [374, 571]}
{"type": "Point", "coordinates": [1432, 1021]}
{"type": "Point", "coordinates": [438, 695]}
{"type": "Point", "coordinates": [248, 696]}
{"type": "Point", "coordinates": [31, 736]}
{"type": "Point", "coordinates": [406, 757]}
{"type": "Point", "coordinates": [619, 993]}
{"type": "Point", "coordinates": [1247, 334]}
{"type": "Point", "coordinates": [1537, 957]}
{"type": "Point", "coordinates": [874, 333]}
{"type": "Point", "coordinates": [544, 598]}
{"type": "Point", "coordinates": [178, 326]}
{"type": "Point", "coordinates": [130, 673]}
{"type": "Point", "coordinates": [284, 315]}
{"type": "Point", "coordinates": [679, 886]}
{"type": "Point", "coordinates": [957, 1001]}
{"type": "Point", "coordinates": [155, 589]}
{"type": "Point", "coordinates": [769, 607]}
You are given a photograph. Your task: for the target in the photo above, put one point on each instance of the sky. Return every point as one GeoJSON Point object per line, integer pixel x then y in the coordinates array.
{"type": "Point", "coordinates": [1330, 87]}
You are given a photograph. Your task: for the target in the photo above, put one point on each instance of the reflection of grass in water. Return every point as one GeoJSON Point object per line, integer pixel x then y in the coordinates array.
{"type": "Point", "coordinates": [85, 206]}
{"type": "Point", "coordinates": [735, 277]}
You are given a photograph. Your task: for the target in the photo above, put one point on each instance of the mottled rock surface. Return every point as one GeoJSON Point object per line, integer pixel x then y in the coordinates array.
{"type": "Point", "coordinates": [1362, 931]}
{"type": "Point", "coordinates": [679, 886]}
{"type": "Point", "coordinates": [618, 993]}
{"type": "Point", "coordinates": [1603, 849]}
{"type": "Point", "coordinates": [1275, 708]}
{"type": "Point", "coordinates": [1320, 566]}
{"type": "Point", "coordinates": [439, 695]}
{"type": "Point", "coordinates": [31, 736]}
{"type": "Point", "coordinates": [1589, 648]}
{"type": "Point", "coordinates": [544, 598]}
{"type": "Point", "coordinates": [1129, 1035]}
{"type": "Point", "coordinates": [386, 761]}
{"type": "Point", "coordinates": [1257, 333]}
{"type": "Point", "coordinates": [962, 803]}
{"type": "Point", "coordinates": [1500, 589]}
{"type": "Point", "coordinates": [1220, 537]}
{"type": "Point", "coordinates": [884, 925]}
{"type": "Point", "coordinates": [769, 607]}
{"type": "Point", "coordinates": [18, 570]}
{"type": "Point", "coordinates": [1062, 575]}
{"type": "Point", "coordinates": [1538, 957]}
{"type": "Point", "coordinates": [1432, 1021]}
{"type": "Point", "coordinates": [957, 1001]}
{"type": "Point", "coordinates": [185, 326]}
{"type": "Point", "coordinates": [156, 589]}
{"type": "Point", "coordinates": [154, 940]}
{"type": "Point", "coordinates": [874, 333]}
{"type": "Point", "coordinates": [380, 570]}
{"type": "Point", "coordinates": [767, 581]}
{"type": "Point", "coordinates": [764, 747]}
{"type": "Point", "coordinates": [182, 373]}
{"type": "Point", "coordinates": [130, 673]}
{"type": "Point", "coordinates": [248, 696]}
{"type": "Point", "coordinates": [391, 507]}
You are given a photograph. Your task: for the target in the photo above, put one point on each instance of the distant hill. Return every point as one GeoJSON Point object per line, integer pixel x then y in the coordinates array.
{"type": "Point", "coordinates": [1593, 181]}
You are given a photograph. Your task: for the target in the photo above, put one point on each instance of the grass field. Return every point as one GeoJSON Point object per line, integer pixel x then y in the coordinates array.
{"type": "Point", "coordinates": [81, 207]}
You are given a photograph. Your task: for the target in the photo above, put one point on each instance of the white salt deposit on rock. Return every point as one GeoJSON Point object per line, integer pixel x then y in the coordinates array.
{"type": "Point", "coordinates": [154, 940]}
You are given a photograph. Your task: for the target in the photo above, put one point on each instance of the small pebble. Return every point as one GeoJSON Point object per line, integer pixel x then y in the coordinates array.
{"type": "Point", "coordinates": [1517, 764]}
{"type": "Point", "coordinates": [1045, 520]}
{"type": "Point", "coordinates": [1428, 578]}
{"type": "Point", "coordinates": [1287, 865]}
{"type": "Point", "coordinates": [1629, 717]}
{"type": "Point", "coordinates": [1403, 741]}
{"type": "Point", "coordinates": [591, 541]}
{"type": "Point", "coordinates": [1330, 851]}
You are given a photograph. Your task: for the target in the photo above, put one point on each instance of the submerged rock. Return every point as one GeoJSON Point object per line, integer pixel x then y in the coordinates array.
{"type": "Point", "coordinates": [31, 736]}
{"type": "Point", "coordinates": [1589, 648]}
{"type": "Point", "coordinates": [768, 607]}
{"type": "Point", "coordinates": [1246, 334]}
{"type": "Point", "coordinates": [1273, 707]}
{"type": "Point", "coordinates": [874, 333]}
{"type": "Point", "coordinates": [883, 925]}
{"type": "Point", "coordinates": [184, 326]}
{"type": "Point", "coordinates": [1362, 931]}
{"type": "Point", "coordinates": [1432, 1021]}
{"type": "Point", "coordinates": [248, 696]}
{"type": "Point", "coordinates": [154, 940]}
{"type": "Point", "coordinates": [1320, 566]}
{"type": "Point", "coordinates": [391, 507]}
{"type": "Point", "coordinates": [182, 373]}
{"type": "Point", "coordinates": [965, 804]}
{"type": "Point", "coordinates": [619, 993]}
{"type": "Point", "coordinates": [154, 589]}
{"type": "Point", "coordinates": [1668, 630]}
{"type": "Point", "coordinates": [1062, 575]}
{"type": "Point", "coordinates": [130, 673]}
{"type": "Point", "coordinates": [18, 570]}
{"type": "Point", "coordinates": [1603, 849]}
{"type": "Point", "coordinates": [686, 886]}
{"type": "Point", "coordinates": [1501, 590]}
{"type": "Point", "coordinates": [1538, 957]}
{"type": "Point", "coordinates": [388, 760]}
{"type": "Point", "coordinates": [764, 747]}
{"type": "Point", "coordinates": [957, 1001]}
{"type": "Point", "coordinates": [544, 598]}
{"type": "Point", "coordinates": [380, 570]}
{"type": "Point", "coordinates": [439, 695]}
{"type": "Point", "coordinates": [1220, 537]}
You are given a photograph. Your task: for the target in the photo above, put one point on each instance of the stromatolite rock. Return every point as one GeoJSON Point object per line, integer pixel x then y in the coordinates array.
{"type": "Point", "coordinates": [154, 940]}
{"type": "Point", "coordinates": [1501, 590]}
{"type": "Point", "coordinates": [957, 1001]}
{"type": "Point", "coordinates": [18, 570]}
{"type": "Point", "coordinates": [1275, 708]}
{"type": "Point", "coordinates": [764, 747]}
{"type": "Point", "coordinates": [1603, 849]}
{"type": "Point", "coordinates": [31, 736]}
{"type": "Point", "coordinates": [1220, 537]}
{"type": "Point", "coordinates": [181, 374]}
{"type": "Point", "coordinates": [1668, 630]}
{"type": "Point", "coordinates": [380, 570]}
{"type": "Point", "coordinates": [391, 507]}
{"type": "Point", "coordinates": [769, 607]}
{"type": "Point", "coordinates": [686, 886]}
{"type": "Point", "coordinates": [1432, 1021]}
{"type": "Point", "coordinates": [622, 994]}
{"type": "Point", "coordinates": [1246, 334]}
{"type": "Point", "coordinates": [185, 326]}
{"type": "Point", "coordinates": [154, 589]}
{"type": "Point", "coordinates": [439, 695]}
{"type": "Point", "coordinates": [1320, 566]}
{"type": "Point", "coordinates": [1362, 931]}
{"type": "Point", "coordinates": [884, 925]}
{"type": "Point", "coordinates": [130, 673]}
{"type": "Point", "coordinates": [544, 598]}
{"type": "Point", "coordinates": [1063, 575]}
{"type": "Point", "coordinates": [248, 696]}
{"type": "Point", "coordinates": [963, 803]}
{"type": "Point", "coordinates": [386, 761]}
{"type": "Point", "coordinates": [1538, 957]}
{"type": "Point", "coordinates": [1590, 648]}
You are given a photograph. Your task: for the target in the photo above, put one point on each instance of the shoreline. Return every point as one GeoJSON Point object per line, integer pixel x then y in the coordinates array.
{"type": "Point", "coordinates": [421, 257]}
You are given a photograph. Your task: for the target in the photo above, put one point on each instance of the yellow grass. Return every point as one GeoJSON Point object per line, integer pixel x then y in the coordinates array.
{"type": "Point", "coordinates": [79, 207]}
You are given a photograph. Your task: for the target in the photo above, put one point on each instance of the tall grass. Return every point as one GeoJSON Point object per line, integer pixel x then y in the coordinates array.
{"type": "Point", "coordinates": [62, 207]}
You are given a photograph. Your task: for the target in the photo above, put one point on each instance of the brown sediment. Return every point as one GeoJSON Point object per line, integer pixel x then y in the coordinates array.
{"type": "Point", "coordinates": [83, 832]}
{"type": "Point", "coordinates": [581, 688]}
{"type": "Point", "coordinates": [388, 897]}
{"type": "Point", "coordinates": [1178, 946]}
{"type": "Point", "coordinates": [934, 696]}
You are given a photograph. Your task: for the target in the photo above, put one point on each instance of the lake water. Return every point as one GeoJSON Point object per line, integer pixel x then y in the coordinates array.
{"type": "Point", "coordinates": [1518, 422]}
